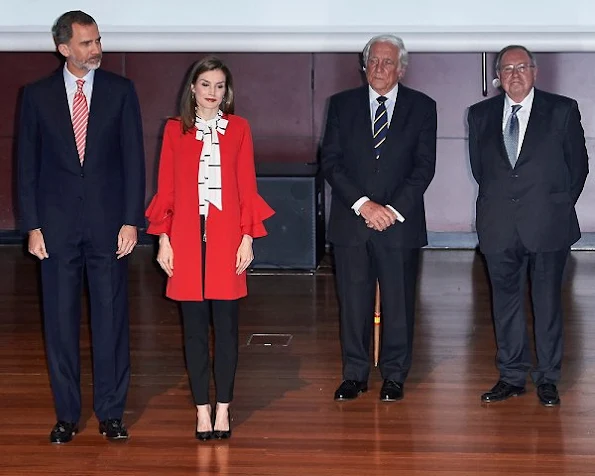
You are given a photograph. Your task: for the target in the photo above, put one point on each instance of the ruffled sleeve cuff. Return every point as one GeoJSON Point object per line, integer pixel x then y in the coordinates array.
{"type": "Point", "coordinates": [159, 215]}
{"type": "Point", "coordinates": [254, 212]}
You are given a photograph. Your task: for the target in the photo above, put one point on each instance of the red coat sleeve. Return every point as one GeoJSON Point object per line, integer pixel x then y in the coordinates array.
{"type": "Point", "coordinates": [253, 209]}
{"type": "Point", "coordinates": [161, 209]}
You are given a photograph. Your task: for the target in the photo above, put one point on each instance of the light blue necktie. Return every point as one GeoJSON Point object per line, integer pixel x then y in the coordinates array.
{"type": "Point", "coordinates": [511, 135]}
{"type": "Point", "coordinates": [380, 125]}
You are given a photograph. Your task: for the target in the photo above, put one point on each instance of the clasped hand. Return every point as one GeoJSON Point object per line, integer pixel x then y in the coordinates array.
{"type": "Point", "coordinates": [377, 217]}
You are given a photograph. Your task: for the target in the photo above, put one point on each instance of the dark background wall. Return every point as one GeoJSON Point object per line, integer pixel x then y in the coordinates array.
{"type": "Point", "coordinates": [284, 97]}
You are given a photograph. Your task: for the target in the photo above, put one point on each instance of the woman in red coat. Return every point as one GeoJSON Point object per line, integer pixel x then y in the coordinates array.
{"type": "Point", "coordinates": [206, 212]}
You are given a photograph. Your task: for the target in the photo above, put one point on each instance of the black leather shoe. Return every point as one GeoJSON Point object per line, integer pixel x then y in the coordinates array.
{"type": "Point", "coordinates": [391, 391]}
{"type": "Point", "coordinates": [350, 389]}
{"type": "Point", "coordinates": [502, 391]}
{"type": "Point", "coordinates": [63, 432]}
{"type": "Point", "coordinates": [224, 434]}
{"type": "Point", "coordinates": [548, 395]}
{"type": "Point", "coordinates": [113, 429]}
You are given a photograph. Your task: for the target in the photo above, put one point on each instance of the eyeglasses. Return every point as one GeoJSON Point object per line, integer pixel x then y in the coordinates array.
{"type": "Point", "coordinates": [509, 69]}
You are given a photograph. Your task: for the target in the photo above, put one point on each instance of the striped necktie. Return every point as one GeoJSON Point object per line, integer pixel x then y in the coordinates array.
{"type": "Point", "coordinates": [511, 135]}
{"type": "Point", "coordinates": [380, 125]}
{"type": "Point", "coordinates": [80, 118]}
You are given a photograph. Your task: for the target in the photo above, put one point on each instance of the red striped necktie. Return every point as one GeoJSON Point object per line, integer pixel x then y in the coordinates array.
{"type": "Point", "coordinates": [80, 118]}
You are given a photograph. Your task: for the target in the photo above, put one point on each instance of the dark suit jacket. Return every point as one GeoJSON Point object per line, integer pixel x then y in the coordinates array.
{"type": "Point", "coordinates": [398, 178]}
{"type": "Point", "coordinates": [535, 199]}
{"type": "Point", "coordinates": [54, 190]}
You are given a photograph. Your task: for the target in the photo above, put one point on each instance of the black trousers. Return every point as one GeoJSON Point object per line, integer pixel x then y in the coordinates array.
{"type": "Point", "coordinates": [62, 282]}
{"type": "Point", "coordinates": [508, 276]}
{"type": "Point", "coordinates": [358, 268]}
{"type": "Point", "coordinates": [196, 316]}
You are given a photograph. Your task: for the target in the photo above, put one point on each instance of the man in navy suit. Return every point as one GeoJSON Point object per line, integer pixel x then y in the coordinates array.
{"type": "Point", "coordinates": [528, 155]}
{"type": "Point", "coordinates": [378, 155]}
{"type": "Point", "coordinates": [81, 195]}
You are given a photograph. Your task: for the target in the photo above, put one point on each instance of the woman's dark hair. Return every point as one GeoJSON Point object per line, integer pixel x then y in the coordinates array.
{"type": "Point", "coordinates": [188, 101]}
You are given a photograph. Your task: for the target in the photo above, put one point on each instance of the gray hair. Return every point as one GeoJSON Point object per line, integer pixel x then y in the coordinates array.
{"type": "Point", "coordinates": [508, 48]}
{"type": "Point", "coordinates": [393, 40]}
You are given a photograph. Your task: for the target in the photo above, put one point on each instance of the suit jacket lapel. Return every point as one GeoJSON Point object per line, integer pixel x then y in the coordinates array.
{"type": "Point", "coordinates": [495, 128]}
{"type": "Point", "coordinates": [59, 104]}
{"type": "Point", "coordinates": [534, 126]}
{"type": "Point", "coordinates": [363, 122]}
{"type": "Point", "coordinates": [401, 113]}
{"type": "Point", "coordinates": [99, 101]}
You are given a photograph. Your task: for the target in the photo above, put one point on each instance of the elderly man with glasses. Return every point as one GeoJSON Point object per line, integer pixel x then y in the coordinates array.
{"type": "Point", "coordinates": [528, 155]}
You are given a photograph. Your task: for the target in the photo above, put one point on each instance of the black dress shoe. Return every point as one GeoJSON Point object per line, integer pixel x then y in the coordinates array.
{"type": "Point", "coordinates": [548, 395]}
{"type": "Point", "coordinates": [391, 391]}
{"type": "Point", "coordinates": [502, 391]}
{"type": "Point", "coordinates": [63, 432]}
{"type": "Point", "coordinates": [350, 389]}
{"type": "Point", "coordinates": [113, 429]}
{"type": "Point", "coordinates": [224, 434]}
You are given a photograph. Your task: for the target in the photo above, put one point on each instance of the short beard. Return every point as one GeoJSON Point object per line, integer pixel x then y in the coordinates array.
{"type": "Point", "coordinates": [88, 65]}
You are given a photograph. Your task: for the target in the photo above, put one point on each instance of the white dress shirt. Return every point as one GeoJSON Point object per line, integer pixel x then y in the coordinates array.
{"type": "Point", "coordinates": [522, 114]}
{"type": "Point", "coordinates": [71, 87]}
{"type": "Point", "coordinates": [391, 100]}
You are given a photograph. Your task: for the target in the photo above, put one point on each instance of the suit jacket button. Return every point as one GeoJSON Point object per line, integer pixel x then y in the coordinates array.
{"type": "Point", "coordinates": [514, 200]}
{"type": "Point", "coordinates": [82, 175]}
{"type": "Point", "coordinates": [515, 175]}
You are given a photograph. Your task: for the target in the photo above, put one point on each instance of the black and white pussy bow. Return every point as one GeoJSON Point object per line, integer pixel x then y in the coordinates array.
{"type": "Point", "coordinates": [209, 170]}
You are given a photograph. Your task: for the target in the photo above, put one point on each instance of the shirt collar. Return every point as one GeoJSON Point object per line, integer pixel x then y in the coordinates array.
{"type": "Point", "coordinates": [70, 79]}
{"type": "Point", "coordinates": [525, 103]}
{"type": "Point", "coordinates": [391, 95]}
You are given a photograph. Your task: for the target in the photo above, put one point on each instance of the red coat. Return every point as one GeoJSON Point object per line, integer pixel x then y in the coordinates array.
{"type": "Point", "coordinates": [174, 210]}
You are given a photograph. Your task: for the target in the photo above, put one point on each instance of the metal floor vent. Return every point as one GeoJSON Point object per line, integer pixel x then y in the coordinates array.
{"type": "Point", "coordinates": [270, 340]}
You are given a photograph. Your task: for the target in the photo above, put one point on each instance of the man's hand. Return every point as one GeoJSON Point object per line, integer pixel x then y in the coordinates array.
{"type": "Point", "coordinates": [127, 239]}
{"type": "Point", "coordinates": [36, 244]}
{"type": "Point", "coordinates": [377, 216]}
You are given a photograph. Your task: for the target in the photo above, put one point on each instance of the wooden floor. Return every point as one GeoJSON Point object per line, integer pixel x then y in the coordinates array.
{"type": "Point", "coordinates": [285, 421]}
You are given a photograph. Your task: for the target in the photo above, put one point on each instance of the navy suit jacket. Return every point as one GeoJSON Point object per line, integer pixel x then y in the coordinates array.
{"type": "Point", "coordinates": [398, 178]}
{"type": "Point", "coordinates": [536, 199]}
{"type": "Point", "coordinates": [55, 192]}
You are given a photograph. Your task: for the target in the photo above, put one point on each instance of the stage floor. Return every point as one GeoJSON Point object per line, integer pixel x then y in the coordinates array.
{"type": "Point", "coordinates": [285, 421]}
